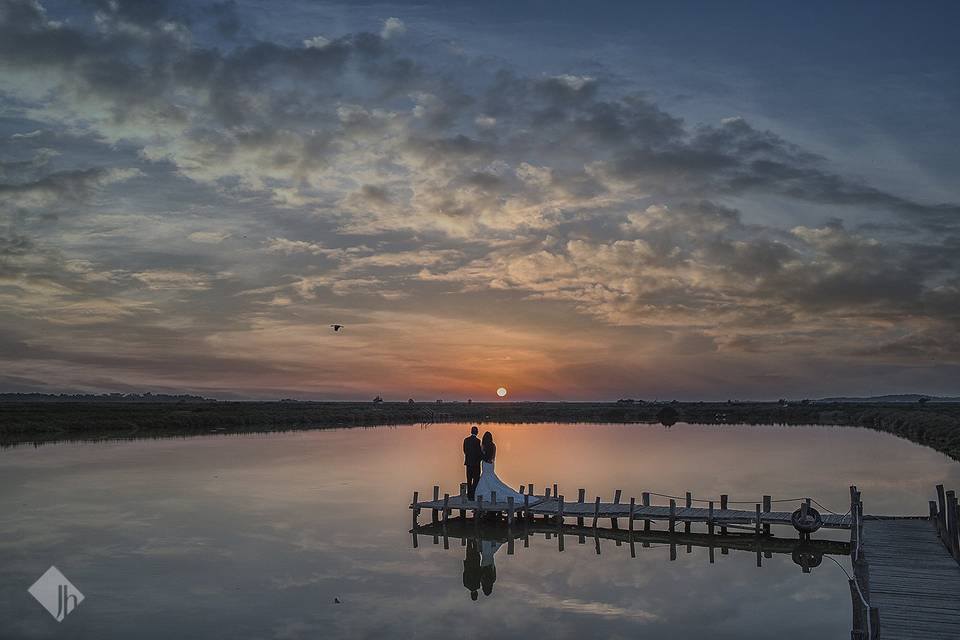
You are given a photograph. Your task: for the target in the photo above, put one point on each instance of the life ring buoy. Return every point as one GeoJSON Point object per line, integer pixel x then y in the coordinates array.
{"type": "Point", "coordinates": [806, 523]}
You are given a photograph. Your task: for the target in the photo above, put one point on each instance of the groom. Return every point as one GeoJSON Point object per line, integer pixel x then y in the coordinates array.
{"type": "Point", "coordinates": [471, 460]}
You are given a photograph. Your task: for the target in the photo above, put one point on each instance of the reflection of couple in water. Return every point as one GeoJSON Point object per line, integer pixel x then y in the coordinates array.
{"type": "Point", "coordinates": [479, 571]}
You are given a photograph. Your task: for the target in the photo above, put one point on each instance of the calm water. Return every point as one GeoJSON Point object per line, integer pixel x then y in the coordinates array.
{"type": "Point", "coordinates": [254, 536]}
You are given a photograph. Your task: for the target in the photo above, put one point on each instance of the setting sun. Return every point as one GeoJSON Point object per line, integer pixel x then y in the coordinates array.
{"type": "Point", "coordinates": [502, 391]}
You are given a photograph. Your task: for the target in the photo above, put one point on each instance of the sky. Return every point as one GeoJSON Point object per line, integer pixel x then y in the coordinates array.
{"type": "Point", "coordinates": [573, 201]}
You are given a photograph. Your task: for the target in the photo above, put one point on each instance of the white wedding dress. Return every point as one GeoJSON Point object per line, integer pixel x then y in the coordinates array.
{"type": "Point", "coordinates": [489, 484]}
{"type": "Point", "coordinates": [488, 548]}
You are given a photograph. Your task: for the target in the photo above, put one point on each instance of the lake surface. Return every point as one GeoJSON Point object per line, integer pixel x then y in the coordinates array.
{"type": "Point", "coordinates": [254, 536]}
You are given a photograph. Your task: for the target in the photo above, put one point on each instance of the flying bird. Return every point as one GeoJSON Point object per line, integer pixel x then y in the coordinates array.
{"type": "Point", "coordinates": [336, 327]}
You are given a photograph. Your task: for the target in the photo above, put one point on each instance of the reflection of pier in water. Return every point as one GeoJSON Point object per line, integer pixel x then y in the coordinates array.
{"type": "Point", "coordinates": [905, 565]}
{"type": "Point", "coordinates": [808, 554]}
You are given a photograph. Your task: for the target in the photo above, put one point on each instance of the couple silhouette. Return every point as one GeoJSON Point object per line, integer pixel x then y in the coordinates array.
{"type": "Point", "coordinates": [478, 459]}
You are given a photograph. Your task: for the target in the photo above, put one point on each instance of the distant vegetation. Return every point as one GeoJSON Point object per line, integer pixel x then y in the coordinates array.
{"type": "Point", "coordinates": [904, 397]}
{"type": "Point", "coordinates": [101, 397]}
{"type": "Point", "coordinates": [934, 424]}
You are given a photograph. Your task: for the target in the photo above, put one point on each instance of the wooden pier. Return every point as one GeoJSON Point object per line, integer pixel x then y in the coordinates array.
{"type": "Point", "coordinates": [551, 505]}
{"type": "Point", "coordinates": [906, 570]}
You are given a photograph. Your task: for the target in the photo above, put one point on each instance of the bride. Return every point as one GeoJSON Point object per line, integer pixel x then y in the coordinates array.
{"type": "Point", "coordinates": [489, 483]}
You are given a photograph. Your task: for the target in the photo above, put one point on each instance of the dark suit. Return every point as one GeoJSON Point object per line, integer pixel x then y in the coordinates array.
{"type": "Point", "coordinates": [472, 454]}
{"type": "Point", "coordinates": [471, 568]}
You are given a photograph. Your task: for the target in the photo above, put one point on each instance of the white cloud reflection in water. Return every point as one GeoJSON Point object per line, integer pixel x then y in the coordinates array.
{"type": "Point", "coordinates": [254, 536]}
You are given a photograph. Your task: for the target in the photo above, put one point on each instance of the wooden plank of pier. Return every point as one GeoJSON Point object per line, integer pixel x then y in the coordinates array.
{"type": "Point", "coordinates": [913, 580]}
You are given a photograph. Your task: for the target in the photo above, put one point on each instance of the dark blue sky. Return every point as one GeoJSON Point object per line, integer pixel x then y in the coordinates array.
{"type": "Point", "coordinates": [571, 200]}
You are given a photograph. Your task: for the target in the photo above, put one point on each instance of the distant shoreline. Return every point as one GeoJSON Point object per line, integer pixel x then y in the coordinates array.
{"type": "Point", "coordinates": [936, 425]}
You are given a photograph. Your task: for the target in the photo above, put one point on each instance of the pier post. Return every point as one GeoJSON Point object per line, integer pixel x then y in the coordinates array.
{"type": "Point", "coordinates": [723, 507]}
{"type": "Point", "coordinates": [858, 628]}
{"type": "Point", "coordinates": [633, 507]}
{"type": "Point", "coordinates": [855, 527]}
{"type": "Point", "coordinates": [723, 530]}
{"type": "Point", "coordinates": [767, 507]}
{"type": "Point", "coordinates": [581, 498]}
{"type": "Point", "coordinates": [645, 498]}
{"type": "Point", "coordinates": [952, 528]}
{"type": "Point", "coordinates": [446, 507]}
{"type": "Point", "coordinates": [686, 525]}
{"type": "Point", "coordinates": [874, 623]}
{"type": "Point", "coordinates": [416, 511]}
{"type": "Point", "coordinates": [616, 501]}
{"type": "Point", "coordinates": [530, 489]}
{"type": "Point", "coordinates": [510, 513]}
{"type": "Point", "coordinates": [436, 498]}
{"type": "Point", "coordinates": [596, 514]}
{"type": "Point", "coordinates": [757, 532]}
{"type": "Point", "coordinates": [526, 507]}
{"type": "Point", "coordinates": [942, 520]}
{"type": "Point", "coordinates": [560, 524]}
{"type": "Point", "coordinates": [556, 491]}
{"type": "Point", "coordinates": [710, 522]}
{"type": "Point", "coordinates": [956, 515]}
{"type": "Point", "coordinates": [673, 519]}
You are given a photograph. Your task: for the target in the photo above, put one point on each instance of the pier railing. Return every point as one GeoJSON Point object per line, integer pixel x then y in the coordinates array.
{"type": "Point", "coordinates": [945, 515]}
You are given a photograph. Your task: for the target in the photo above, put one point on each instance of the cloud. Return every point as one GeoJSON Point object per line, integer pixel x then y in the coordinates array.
{"type": "Point", "coordinates": [168, 279]}
{"type": "Point", "coordinates": [392, 27]}
{"type": "Point", "coordinates": [288, 247]}
{"type": "Point", "coordinates": [316, 42]}
{"type": "Point", "coordinates": [367, 170]}
{"type": "Point", "coordinates": [208, 237]}
{"type": "Point", "coordinates": [57, 190]}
